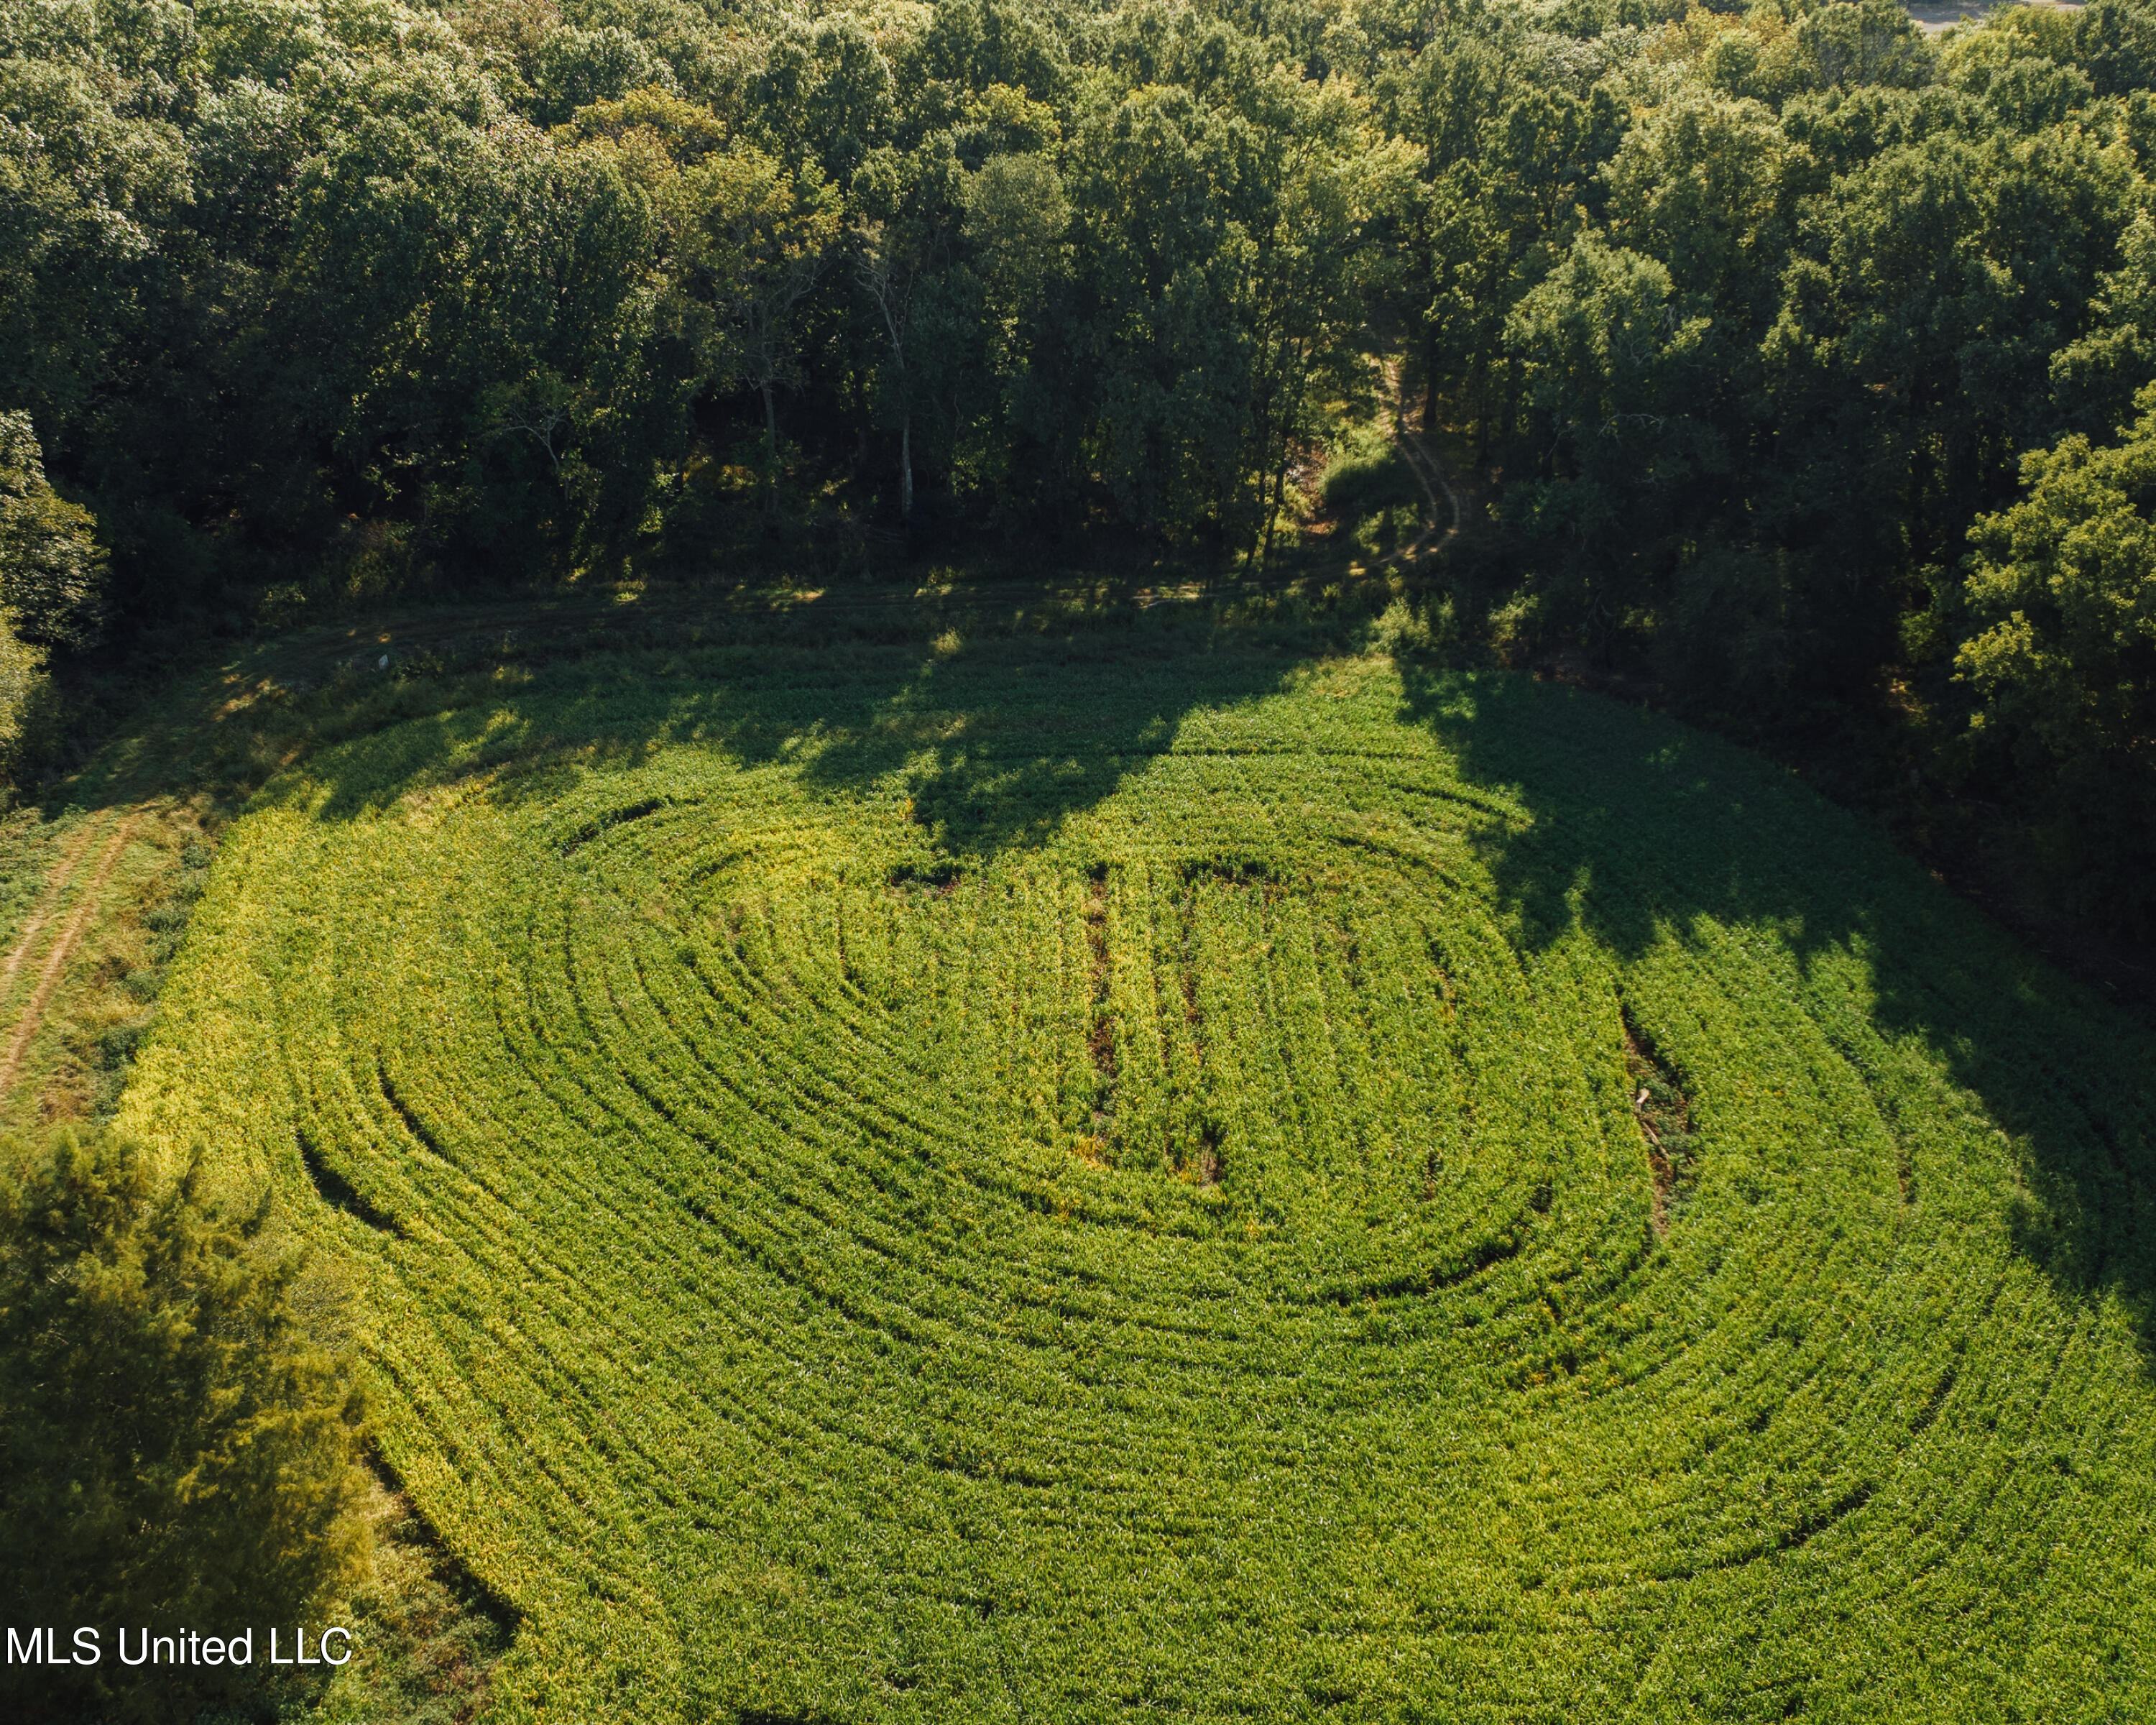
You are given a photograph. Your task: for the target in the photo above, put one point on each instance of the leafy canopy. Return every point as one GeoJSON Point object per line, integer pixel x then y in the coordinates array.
{"type": "Point", "coordinates": [175, 1451]}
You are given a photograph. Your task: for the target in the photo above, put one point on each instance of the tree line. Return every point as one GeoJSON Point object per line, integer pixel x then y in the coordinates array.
{"type": "Point", "coordinates": [1789, 352]}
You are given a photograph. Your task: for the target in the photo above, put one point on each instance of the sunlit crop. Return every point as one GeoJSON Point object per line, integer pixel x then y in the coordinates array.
{"type": "Point", "coordinates": [1055, 1183]}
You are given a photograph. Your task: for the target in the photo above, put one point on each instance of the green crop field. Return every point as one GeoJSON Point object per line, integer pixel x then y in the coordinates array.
{"type": "Point", "coordinates": [1153, 1175]}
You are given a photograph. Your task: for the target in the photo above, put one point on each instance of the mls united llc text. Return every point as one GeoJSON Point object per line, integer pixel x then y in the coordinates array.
{"type": "Point", "coordinates": [44, 1646]}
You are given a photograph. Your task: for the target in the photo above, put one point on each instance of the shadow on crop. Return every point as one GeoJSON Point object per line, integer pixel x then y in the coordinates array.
{"type": "Point", "coordinates": [1642, 827]}
{"type": "Point", "coordinates": [992, 740]}
{"type": "Point", "coordinates": [993, 749]}
{"type": "Point", "coordinates": [994, 731]}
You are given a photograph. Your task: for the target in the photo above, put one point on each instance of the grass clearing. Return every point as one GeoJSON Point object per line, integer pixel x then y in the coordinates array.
{"type": "Point", "coordinates": [968, 1173]}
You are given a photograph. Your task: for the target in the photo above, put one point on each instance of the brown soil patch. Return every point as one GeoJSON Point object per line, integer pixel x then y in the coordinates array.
{"type": "Point", "coordinates": [1101, 1039]}
{"type": "Point", "coordinates": [1663, 1113]}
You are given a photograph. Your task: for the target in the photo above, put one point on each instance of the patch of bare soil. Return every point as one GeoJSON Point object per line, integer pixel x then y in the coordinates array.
{"type": "Point", "coordinates": [1663, 1112]}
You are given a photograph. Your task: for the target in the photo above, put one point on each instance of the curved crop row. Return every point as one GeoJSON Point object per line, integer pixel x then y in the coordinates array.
{"type": "Point", "coordinates": [958, 1194]}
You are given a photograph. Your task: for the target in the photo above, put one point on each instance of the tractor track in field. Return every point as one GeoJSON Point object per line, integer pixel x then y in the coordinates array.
{"type": "Point", "coordinates": [49, 977]}
{"type": "Point", "coordinates": [57, 878]}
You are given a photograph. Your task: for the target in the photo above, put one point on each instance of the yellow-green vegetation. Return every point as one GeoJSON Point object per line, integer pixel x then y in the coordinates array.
{"type": "Point", "coordinates": [429, 1635]}
{"type": "Point", "coordinates": [93, 905]}
{"type": "Point", "coordinates": [175, 1449]}
{"type": "Point", "coordinates": [1151, 1174]}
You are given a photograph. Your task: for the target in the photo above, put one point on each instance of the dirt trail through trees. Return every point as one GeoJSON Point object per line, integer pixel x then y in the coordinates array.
{"type": "Point", "coordinates": [1428, 470]}
{"type": "Point", "coordinates": [1430, 474]}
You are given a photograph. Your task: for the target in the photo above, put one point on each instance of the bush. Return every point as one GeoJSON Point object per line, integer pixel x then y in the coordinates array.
{"type": "Point", "coordinates": [175, 1452]}
{"type": "Point", "coordinates": [1366, 482]}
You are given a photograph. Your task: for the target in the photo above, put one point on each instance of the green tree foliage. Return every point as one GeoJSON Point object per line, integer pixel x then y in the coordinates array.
{"type": "Point", "coordinates": [2062, 591]}
{"type": "Point", "coordinates": [757, 237]}
{"type": "Point", "coordinates": [52, 568]}
{"type": "Point", "coordinates": [2114, 42]}
{"type": "Point", "coordinates": [1604, 356]}
{"type": "Point", "coordinates": [1223, 207]}
{"type": "Point", "coordinates": [177, 1451]}
{"type": "Point", "coordinates": [1742, 318]}
{"type": "Point", "coordinates": [94, 176]}
{"type": "Point", "coordinates": [1872, 42]}
{"type": "Point", "coordinates": [23, 683]}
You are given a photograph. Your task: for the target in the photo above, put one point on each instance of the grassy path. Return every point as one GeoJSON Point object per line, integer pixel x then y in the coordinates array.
{"type": "Point", "coordinates": [65, 873]}
{"type": "Point", "coordinates": [57, 880]}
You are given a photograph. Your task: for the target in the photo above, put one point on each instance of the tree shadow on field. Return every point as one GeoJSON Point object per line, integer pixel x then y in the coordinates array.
{"type": "Point", "coordinates": [994, 748]}
{"type": "Point", "coordinates": [990, 740]}
{"type": "Point", "coordinates": [994, 736]}
{"type": "Point", "coordinates": [1641, 827]}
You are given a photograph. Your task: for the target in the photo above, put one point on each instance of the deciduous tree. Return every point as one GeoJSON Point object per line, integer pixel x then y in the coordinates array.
{"type": "Point", "coordinates": [178, 1451]}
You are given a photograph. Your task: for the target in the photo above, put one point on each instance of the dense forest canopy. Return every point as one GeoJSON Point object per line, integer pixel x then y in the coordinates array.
{"type": "Point", "coordinates": [1746, 324]}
